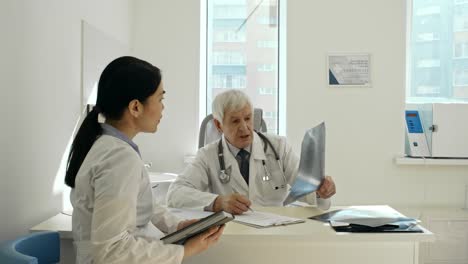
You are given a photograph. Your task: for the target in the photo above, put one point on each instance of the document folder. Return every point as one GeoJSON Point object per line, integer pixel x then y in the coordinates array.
{"type": "Point", "coordinates": [396, 227]}
{"type": "Point", "coordinates": [180, 236]}
{"type": "Point", "coordinates": [369, 219]}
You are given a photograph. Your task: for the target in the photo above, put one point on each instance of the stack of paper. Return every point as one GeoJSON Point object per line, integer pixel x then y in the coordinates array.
{"type": "Point", "coordinates": [263, 219]}
{"type": "Point", "coordinates": [369, 219]}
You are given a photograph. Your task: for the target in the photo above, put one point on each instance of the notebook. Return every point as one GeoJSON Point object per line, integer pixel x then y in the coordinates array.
{"type": "Point", "coordinates": [180, 236]}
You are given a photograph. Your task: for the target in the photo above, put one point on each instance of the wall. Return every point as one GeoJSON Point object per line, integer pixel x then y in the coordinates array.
{"type": "Point", "coordinates": [40, 82]}
{"type": "Point", "coordinates": [365, 125]}
{"type": "Point", "coordinates": [167, 34]}
{"type": "Point", "coordinates": [365, 128]}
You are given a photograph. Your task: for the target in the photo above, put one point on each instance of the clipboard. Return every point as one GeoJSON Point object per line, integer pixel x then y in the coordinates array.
{"type": "Point", "coordinates": [180, 236]}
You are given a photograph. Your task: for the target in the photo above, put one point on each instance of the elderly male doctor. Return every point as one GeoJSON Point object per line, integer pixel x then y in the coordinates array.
{"type": "Point", "coordinates": [248, 159]}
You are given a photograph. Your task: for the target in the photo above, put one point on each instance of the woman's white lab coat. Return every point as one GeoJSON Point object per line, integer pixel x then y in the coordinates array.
{"type": "Point", "coordinates": [114, 216]}
{"type": "Point", "coordinates": [199, 184]}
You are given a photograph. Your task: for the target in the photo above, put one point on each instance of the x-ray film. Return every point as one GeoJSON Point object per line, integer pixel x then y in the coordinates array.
{"type": "Point", "coordinates": [311, 165]}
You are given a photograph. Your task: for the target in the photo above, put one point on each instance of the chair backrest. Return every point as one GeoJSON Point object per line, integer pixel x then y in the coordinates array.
{"type": "Point", "coordinates": [34, 248]}
{"type": "Point", "coordinates": [209, 132]}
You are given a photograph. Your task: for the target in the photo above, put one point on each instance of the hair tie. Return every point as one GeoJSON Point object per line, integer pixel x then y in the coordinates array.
{"type": "Point", "coordinates": [100, 118]}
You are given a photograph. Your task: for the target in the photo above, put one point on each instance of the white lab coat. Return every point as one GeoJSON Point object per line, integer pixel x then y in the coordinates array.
{"type": "Point", "coordinates": [199, 184]}
{"type": "Point", "coordinates": [114, 216]}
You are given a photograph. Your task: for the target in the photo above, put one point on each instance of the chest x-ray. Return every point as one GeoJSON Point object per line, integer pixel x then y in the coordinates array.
{"type": "Point", "coordinates": [311, 165]}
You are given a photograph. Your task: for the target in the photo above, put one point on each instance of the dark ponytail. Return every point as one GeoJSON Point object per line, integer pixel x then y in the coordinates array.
{"type": "Point", "coordinates": [123, 80]}
{"type": "Point", "coordinates": [89, 131]}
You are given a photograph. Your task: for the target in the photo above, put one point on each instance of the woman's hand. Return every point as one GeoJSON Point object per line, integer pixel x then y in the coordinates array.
{"type": "Point", "coordinates": [202, 241]}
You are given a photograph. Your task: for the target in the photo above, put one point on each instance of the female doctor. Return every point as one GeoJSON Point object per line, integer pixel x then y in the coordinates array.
{"type": "Point", "coordinates": [114, 217]}
{"type": "Point", "coordinates": [220, 179]}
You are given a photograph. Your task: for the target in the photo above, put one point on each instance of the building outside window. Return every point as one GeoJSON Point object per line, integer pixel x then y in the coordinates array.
{"type": "Point", "coordinates": [267, 20]}
{"type": "Point", "coordinates": [267, 44]}
{"type": "Point", "coordinates": [243, 52]}
{"type": "Point", "coordinates": [438, 70]}
{"type": "Point", "coordinates": [229, 81]}
{"type": "Point", "coordinates": [264, 67]}
{"type": "Point", "coordinates": [266, 91]}
{"type": "Point", "coordinates": [228, 58]}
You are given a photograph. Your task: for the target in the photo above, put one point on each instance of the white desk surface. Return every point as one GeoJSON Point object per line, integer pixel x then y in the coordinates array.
{"type": "Point", "coordinates": [310, 230]}
{"type": "Point", "coordinates": [318, 231]}
{"type": "Point", "coordinates": [60, 222]}
{"type": "Point", "coordinates": [162, 177]}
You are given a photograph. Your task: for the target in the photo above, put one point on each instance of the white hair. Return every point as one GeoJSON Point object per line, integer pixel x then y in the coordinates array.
{"type": "Point", "coordinates": [230, 100]}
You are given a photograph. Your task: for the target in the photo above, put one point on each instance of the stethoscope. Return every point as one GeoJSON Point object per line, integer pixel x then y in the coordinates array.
{"type": "Point", "coordinates": [225, 177]}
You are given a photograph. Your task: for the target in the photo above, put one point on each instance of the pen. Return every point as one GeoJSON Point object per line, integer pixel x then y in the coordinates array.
{"type": "Point", "coordinates": [234, 190]}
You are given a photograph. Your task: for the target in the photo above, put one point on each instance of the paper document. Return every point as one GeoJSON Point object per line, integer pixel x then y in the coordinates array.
{"type": "Point", "coordinates": [311, 166]}
{"type": "Point", "coordinates": [372, 216]}
{"type": "Point", "coordinates": [264, 219]}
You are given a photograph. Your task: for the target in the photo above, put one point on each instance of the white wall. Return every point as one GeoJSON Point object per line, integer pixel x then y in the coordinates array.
{"type": "Point", "coordinates": [365, 125]}
{"type": "Point", "coordinates": [167, 34]}
{"type": "Point", "coordinates": [40, 83]}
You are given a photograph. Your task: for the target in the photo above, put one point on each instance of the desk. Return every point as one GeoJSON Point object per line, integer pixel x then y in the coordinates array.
{"type": "Point", "coordinates": [308, 242]}
{"type": "Point", "coordinates": [160, 182]}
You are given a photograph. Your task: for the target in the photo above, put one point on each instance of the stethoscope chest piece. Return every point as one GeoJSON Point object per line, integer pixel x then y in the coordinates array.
{"type": "Point", "coordinates": [266, 175]}
{"type": "Point", "coordinates": [224, 177]}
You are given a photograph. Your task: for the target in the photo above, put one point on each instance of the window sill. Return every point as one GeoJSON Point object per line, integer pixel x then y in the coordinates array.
{"type": "Point", "coordinates": [431, 161]}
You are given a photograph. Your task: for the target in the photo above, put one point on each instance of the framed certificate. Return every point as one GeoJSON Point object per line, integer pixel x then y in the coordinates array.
{"type": "Point", "coordinates": [349, 70]}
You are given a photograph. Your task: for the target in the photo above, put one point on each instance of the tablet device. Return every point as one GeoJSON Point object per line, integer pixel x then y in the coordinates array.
{"type": "Point", "coordinates": [180, 236]}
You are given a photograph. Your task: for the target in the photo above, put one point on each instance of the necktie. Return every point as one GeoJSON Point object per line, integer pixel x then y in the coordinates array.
{"type": "Point", "coordinates": [243, 159]}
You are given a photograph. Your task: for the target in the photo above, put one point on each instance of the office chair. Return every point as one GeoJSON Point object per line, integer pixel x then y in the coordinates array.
{"type": "Point", "coordinates": [34, 248]}
{"type": "Point", "coordinates": [209, 132]}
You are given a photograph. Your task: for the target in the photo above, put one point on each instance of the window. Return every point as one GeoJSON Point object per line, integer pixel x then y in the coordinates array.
{"type": "Point", "coordinates": [264, 67]}
{"type": "Point", "coordinates": [266, 91]}
{"type": "Point", "coordinates": [267, 20]}
{"type": "Point", "coordinates": [267, 44]}
{"type": "Point", "coordinates": [438, 70]}
{"type": "Point", "coordinates": [228, 58]}
{"type": "Point", "coordinates": [243, 51]}
{"type": "Point", "coordinates": [229, 36]}
{"type": "Point", "coordinates": [227, 81]}
{"type": "Point", "coordinates": [269, 115]}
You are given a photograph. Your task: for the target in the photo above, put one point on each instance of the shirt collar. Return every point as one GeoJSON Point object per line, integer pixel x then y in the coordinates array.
{"type": "Point", "coordinates": [234, 150]}
{"type": "Point", "coordinates": [114, 132]}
